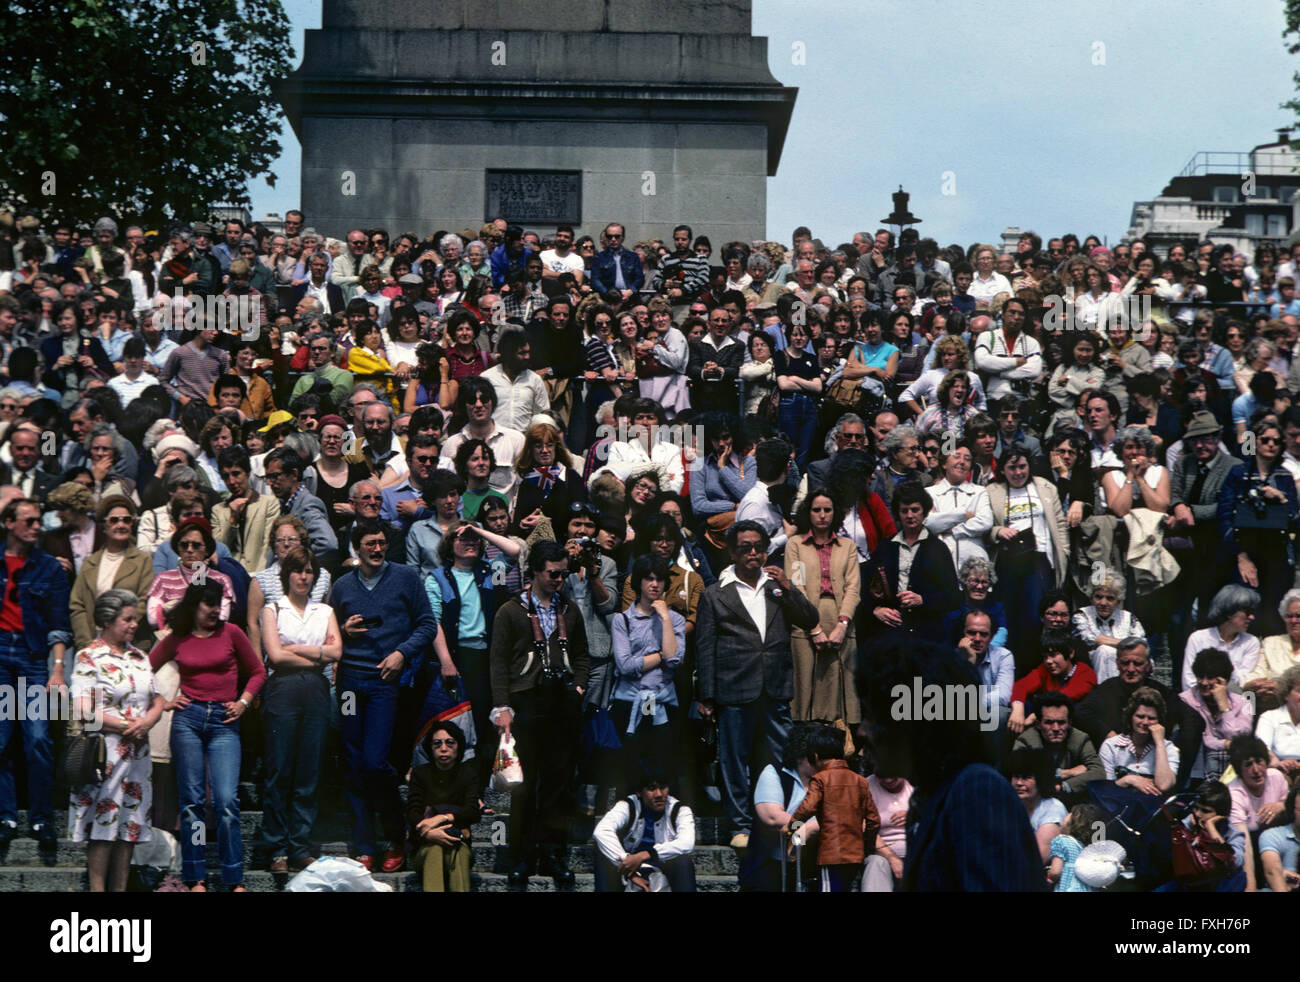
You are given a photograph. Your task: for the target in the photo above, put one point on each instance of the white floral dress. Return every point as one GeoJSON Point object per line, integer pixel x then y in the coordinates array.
{"type": "Point", "coordinates": [120, 808]}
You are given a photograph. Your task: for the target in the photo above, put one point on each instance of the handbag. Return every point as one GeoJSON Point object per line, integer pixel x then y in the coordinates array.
{"type": "Point", "coordinates": [715, 528]}
{"type": "Point", "coordinates": [83, 761]}
{"type": "Point", "coordinates": [1021, 553]}
{"type": "Point", "coordinates": [1197, 859]}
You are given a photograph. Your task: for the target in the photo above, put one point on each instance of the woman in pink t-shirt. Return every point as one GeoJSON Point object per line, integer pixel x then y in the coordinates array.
{"type": "Point", "coordinates": [220, 676]}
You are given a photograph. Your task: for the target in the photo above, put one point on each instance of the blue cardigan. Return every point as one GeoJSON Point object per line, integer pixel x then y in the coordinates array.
{"type": "Point", "coordinates": [408, 627]}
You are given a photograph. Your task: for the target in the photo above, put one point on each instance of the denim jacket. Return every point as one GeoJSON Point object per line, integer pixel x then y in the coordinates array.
{"type": "Point", "coordinates": [43, 592]}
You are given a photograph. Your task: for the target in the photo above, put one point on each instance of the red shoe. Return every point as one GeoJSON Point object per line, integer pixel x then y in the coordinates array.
{"type": "Point", "coordinates": [366, 861]}
{"type": "Point", "coordinates": [394, 859]}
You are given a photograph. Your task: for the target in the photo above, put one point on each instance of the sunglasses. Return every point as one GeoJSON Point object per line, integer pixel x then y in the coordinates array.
{"type": "Point", "coordinates": [554, 574]}
{"type": "Point", "coordinates": [186, 546]}
{"type": "Point", "coordinates": [745, 548]}
{"type": "Point", "coordinates": [448, 742]}
{"type": "Point", "coordinates": [119, 520]}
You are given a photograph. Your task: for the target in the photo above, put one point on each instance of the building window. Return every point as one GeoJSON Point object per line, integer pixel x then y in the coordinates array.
{"type": "Point", "coordinates": [1263, 191]}
{"type": "Point", "coordinates": [1255, 224]}
{"type": "Point", "coordinates": [1285, 195]}
{"type": "Point", "coordinates": [1276, 226]}
{"type": "Point", "coordinates": [1225, 195]}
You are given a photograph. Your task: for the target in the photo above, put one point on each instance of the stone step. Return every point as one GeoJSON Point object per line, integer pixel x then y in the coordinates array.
{"type": "Point", "coordinates": [15, 879]}
{"type": "Point", "coordinates": [25, 854]}
{"type": "Point", "coordinates": [336, 825]}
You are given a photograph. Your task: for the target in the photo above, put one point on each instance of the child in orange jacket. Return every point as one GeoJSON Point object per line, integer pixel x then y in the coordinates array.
{"type": "Point", "coordinates": [845, 812]}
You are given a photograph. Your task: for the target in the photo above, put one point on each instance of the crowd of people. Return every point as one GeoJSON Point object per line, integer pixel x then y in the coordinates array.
{"type": "Point", "coordinates": [656, 519]}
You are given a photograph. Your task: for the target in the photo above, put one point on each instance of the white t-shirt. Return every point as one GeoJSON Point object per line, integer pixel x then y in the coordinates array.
{"type": "Point", "coordinates": [1025, 510]}
{"type": "Point", "coordinates": [572, 263]}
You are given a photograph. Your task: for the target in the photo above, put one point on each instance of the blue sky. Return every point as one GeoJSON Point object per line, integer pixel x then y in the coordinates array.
{"type": "Point", "coordinates": [1003, 95]}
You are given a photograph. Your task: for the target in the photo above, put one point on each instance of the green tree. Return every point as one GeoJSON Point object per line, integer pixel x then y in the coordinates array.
{"type": "Point", "coordinates": [148, 110]}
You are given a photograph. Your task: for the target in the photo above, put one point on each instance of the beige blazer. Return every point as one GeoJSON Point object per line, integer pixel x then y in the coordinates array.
{"type": "Point", "coordinates": [247, 542]}
{"type": "Point", "coordinates": [135, 574]}
{"type": "Point", "coordinates": [804, 569]}
{"type": "Point", "coordinates": [997, 492]}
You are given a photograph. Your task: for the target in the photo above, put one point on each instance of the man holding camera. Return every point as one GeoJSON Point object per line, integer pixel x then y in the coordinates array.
{"type": "Point", "coordinates": [539, 674]}
{"type": "Point", "coordinates": [592, 587]}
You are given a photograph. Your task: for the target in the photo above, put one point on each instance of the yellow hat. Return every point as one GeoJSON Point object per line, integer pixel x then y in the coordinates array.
{"type": "Point", "coordinates": [275, 419]}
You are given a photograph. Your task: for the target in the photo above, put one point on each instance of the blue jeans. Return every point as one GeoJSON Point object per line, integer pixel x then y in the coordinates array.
{"type": "Point", "coordinates": [205, 753]}
{"type": "Point", "coordinates": [1021, 591]}
{"type": "Point", "coordinates": [16, 662]}
{"type": "Point", "coordinates": [797, 419]}
{"type": "Point", "coordinates": [296, 708]}
{"type": "Point", "coordinates": [750, 736]}
{"type": "Point", "coordinates": [367, 738]}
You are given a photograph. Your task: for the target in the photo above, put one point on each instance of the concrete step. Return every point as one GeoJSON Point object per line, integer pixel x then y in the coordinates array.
{"type": "Point", "coordinates": [336, 826]}
{"type": "Point", "coordinates": [14, 879]}
{"type": "Point", "coordinates": [25, 854]}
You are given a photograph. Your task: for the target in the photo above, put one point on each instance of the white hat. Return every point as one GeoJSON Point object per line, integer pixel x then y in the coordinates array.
{"type": "Point", "coordinates": [175, 441]}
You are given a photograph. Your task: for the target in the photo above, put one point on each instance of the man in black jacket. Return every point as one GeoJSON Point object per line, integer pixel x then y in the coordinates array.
{"type": "Point", "coordinates": [909, 582]}
{"type": "Point", "coordinates": [744, 671]}
{"type": "Point", "coordinates": [1195, 481]}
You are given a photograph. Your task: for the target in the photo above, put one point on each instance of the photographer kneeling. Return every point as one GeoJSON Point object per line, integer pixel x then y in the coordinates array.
{"type": "Point", "coordinates": [646, 833]}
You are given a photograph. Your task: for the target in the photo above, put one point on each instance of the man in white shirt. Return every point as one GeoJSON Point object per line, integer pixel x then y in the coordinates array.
{"type": "Point", "coordinates": [772, 458]}
{"type": "Point", "coordinates": [1006, 356]}
{"type": "Point", "coordinates": [520, 392]}
{"type": "Point", "coordinates": [480, 401]}
{"type": "Point", "coordinates": [562, 259]}
{"type": "Point", "coordinates": [643, 446]}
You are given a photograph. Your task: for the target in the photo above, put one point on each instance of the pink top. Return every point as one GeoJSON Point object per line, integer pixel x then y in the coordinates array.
{"type": "Point", "coordinates": [1245, 806]}
{"type": "Point", "coordinates": [212, 669]}
{"type": "Point", "coordinates": [887, 804]}
{"type": "Point", "coordinates": [171, 585]}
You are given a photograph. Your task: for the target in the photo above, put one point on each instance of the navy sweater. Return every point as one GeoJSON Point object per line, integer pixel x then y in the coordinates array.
{"type": "Point", "coordinates": [408, 627]}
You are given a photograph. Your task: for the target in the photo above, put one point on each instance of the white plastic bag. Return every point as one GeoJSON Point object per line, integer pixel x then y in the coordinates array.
{"type": "Point", "coordinates": [161, 851]}
{"type": "Point", "coordinates": [336, 874]}
{"type": "Point", "coordinates": [507, 771]}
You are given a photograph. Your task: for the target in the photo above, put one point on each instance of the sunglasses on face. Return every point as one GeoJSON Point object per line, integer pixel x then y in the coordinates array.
{"type": "Point", "coordinates": [449, 742]}
{"type": "Point", "coordinates": [554, 574]}
{"type": "Point", "coordinates": [745, 548]}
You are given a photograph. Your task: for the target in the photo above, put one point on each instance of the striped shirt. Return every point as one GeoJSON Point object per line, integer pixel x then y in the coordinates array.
{"type": "Point", "coordinates": [190, 372]}
{"type": "Point", "coordinates": [599, 355]}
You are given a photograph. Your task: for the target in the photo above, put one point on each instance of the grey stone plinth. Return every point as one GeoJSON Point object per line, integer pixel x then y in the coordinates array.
{"type": "Point", "coordinates": [668, 109]}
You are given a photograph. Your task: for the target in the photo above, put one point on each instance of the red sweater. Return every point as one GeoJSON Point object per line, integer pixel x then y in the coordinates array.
{"type": "Point", "coordinates": [212, 669]}
{"type": "Point", "coordinates": [1081, 681]}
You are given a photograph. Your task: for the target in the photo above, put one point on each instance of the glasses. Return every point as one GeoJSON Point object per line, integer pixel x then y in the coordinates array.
{"type": "Point", "coordinates": [119, 520]}
{"type": "Point", "coordinates": [478, 397]}
{"type": "Point", "coordinates": [449, 742]}
{"type": "Point", "coordinates": [745, 548]}
{"type": "Point", "coordinates": [28, 521]}
{"type": "Point", "coordinates": [370, 497]}
{"type": "Point", "coordinates": [187, 546]}
{"type": "Point", "coordinates": [1269, 439]}
{"type": "Point", "coordinates": [554, 574]}
{"type": "Point", "coordinates": [285, 540]}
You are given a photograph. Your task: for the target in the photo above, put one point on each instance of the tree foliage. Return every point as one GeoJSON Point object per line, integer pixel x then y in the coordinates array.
{"type": "Point", "coordinates": [1292, 13]}
{"type": "Point", "coordinates": [149, 110]}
